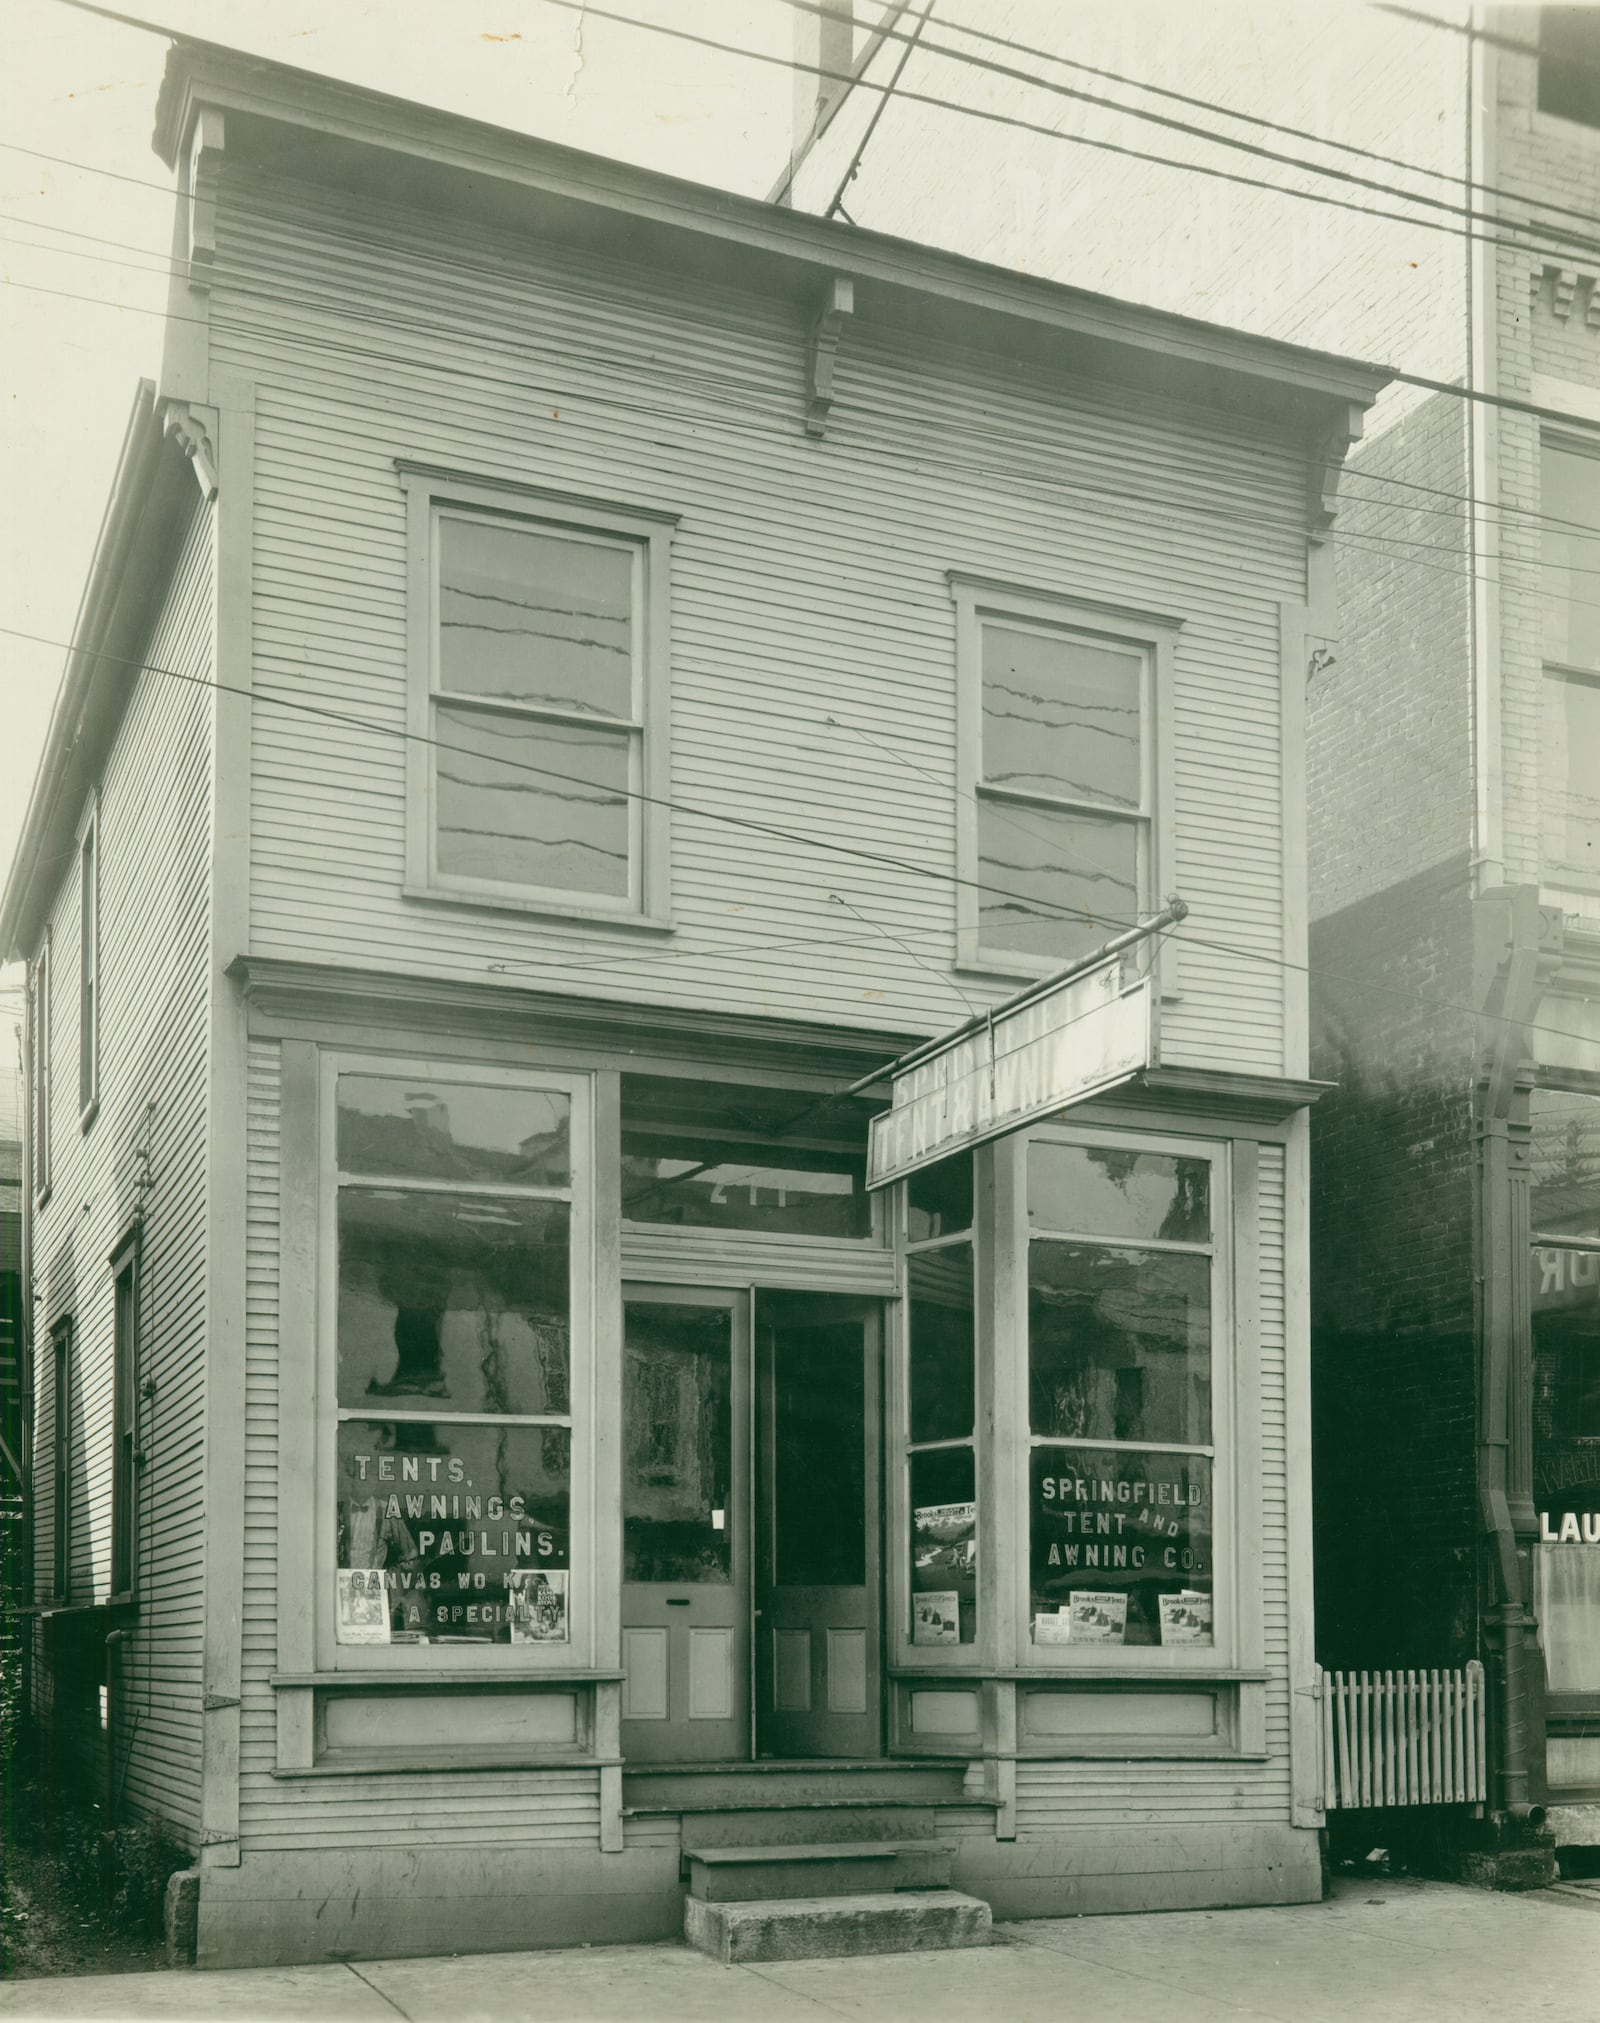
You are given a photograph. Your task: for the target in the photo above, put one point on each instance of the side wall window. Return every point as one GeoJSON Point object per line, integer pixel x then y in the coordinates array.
{"type": "Point", "coordinates": [40, 1059]}
{"type": "Point", "coordinates": [89, 966]}
{"type": "Point", "coordinates": [539, 657]}
{"type": "Point", "coordinates": [1060, 763]}
{"type": "Point", "coordinates": [125, 1421]}
{"type": "Point", "coordinates": [459, 1367]}
{"type": "Point", "coordinates": [61, 1461]}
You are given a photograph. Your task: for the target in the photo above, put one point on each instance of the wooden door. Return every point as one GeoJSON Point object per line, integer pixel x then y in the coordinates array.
{"type": "Point", "coordinates": [818, 1614]}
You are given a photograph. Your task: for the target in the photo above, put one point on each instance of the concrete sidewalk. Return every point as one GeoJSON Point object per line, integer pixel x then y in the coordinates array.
{"type": "Point", "coordinates": [1382, 1951]}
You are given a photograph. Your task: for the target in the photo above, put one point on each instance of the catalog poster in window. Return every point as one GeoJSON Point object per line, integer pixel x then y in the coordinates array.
{"type": "Point", "coordinates": [1135, 1525]}
{"type": "Point", "coordinates": [460, 1530]}
{"type": "Point", "coordinates": [944, 1570]}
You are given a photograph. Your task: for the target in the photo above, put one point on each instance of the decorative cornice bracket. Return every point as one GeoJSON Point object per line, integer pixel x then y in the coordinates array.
{"type": "Point", "coordinates": [838, 305]}
{"type": "Point", "coordinates": [1325, 470]}
{"type": "Point", "coordinates": [195, 429]}
{"type": "Point", "coordinates": [204, 172]}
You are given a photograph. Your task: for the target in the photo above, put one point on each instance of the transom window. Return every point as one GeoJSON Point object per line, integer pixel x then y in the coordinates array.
{"type": "Point", "coordinates": [538, 687]}
{"type": "Point", "coordinates": [1060, 768]}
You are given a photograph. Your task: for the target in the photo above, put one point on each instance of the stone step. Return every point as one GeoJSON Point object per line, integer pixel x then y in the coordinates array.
{"type": "Point", "coordinates": [755, 1787]}
{"type": "Point", "coordinates": [763, 1827]}
{"type": "Point", "coordinates": [837, 1868]}
{"type": "Point", "coordinates": [821, 1928]}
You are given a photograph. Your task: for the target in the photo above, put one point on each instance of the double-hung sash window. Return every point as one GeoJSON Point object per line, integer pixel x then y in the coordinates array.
{"type": "Point", "coordinates": [1061, 764]}
{"type": "Point", "coordinates": [458, 1311]}
{"type": "Point", "coordinates": [1125, 1323]}
{"type": "Point", "coordinates": [539, 669]}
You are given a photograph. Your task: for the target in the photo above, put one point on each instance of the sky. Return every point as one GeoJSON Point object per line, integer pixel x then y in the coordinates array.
{"type": "Point", "coordinates": [86, 205]}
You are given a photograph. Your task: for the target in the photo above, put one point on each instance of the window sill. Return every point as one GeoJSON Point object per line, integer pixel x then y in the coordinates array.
{"type": "Point", "coordinates": [383, 1763]}
{"type": "Point", "coordinates": [379, 1679]}
{"type": "Point", "coordinates": [540, 909]}
{"type": "Point", "coordinates": [1127, 1671]}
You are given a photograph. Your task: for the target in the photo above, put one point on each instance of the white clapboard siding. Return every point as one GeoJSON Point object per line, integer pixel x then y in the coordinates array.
{"type": "Point", "coordinates": [154, 840]}
{"type": "Point", "coordinates": [809, 585]}
{"type": "Point", "coordinates": [259, 1628]}
{"type": "Point", "coordinates": [1055, 1799]}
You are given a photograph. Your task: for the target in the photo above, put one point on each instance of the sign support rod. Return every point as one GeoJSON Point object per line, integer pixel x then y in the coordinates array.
{"type": "Point", "coordinates": [1174, 912]}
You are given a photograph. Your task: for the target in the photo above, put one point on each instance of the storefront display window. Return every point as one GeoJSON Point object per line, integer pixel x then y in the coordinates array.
{"type": "Point", "coordinates": [1565, 1282]}
{"type": "Point", "coordinates": [453, 1364]}
{"type": "Point", "coordinates": [699, 1155]}
{"type": "Point", "coordinates": [1120, 1397]}
{"type": "Point", "coordinates": [941, 1372]}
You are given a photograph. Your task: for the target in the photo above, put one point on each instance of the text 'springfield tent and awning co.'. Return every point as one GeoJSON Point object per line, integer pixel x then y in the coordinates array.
{"type": "Point", "coordinates": [1090, 1033]}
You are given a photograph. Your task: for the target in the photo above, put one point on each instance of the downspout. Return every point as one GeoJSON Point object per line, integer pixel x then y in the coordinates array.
{"type": "Point", "coordinates": [1505, 1429]}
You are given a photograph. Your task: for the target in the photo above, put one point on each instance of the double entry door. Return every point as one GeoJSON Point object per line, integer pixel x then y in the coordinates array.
{"type": "Point", "coordinates": [751, 1623]}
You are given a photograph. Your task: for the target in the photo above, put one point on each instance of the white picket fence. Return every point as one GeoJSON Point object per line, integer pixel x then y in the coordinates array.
{"type": "Point", "coordinates": [1403, 1738]}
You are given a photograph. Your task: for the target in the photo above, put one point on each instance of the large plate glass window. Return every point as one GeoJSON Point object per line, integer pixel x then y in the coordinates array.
{"type": "Point", "coordinates": [1122, 1288]}
{"type": "Point", "coordinates": [1060, 775]}
{"type": "Point", "coordinates": [458, 1360]}
{"type": "Point", "coordinates": [940, 1456]}
{"type": "Point", "coordinates": [1565, 1283]}
{"type": "Point", "coordinates": [538, 692]}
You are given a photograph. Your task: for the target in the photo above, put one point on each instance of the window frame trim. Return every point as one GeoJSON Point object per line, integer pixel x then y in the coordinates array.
{"type": "Point", "coordinates": [430, 491]}
{"type": "Point", "coordinates": [88, 842]}
{"type": "Point", "coordinates": [1229, 1586]}
{"type": "Point", "coordinates": [1155, 635]}
{"type": "Point", "coordinates": [586, 1603]}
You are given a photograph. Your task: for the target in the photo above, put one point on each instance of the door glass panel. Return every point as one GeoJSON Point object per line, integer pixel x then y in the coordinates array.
{"type": "Point", "coordinates": [677, 1406]}
{"type": "Point", "coordinates": [819, 1511]}
{"type": "Point", "coordinates": [453, 1300]}
{"type": "Point", "coordinates": [939, 1289]}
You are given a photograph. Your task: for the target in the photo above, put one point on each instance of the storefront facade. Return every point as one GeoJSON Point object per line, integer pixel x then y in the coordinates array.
{"type": "Point", "coordinates": [587, 1446]}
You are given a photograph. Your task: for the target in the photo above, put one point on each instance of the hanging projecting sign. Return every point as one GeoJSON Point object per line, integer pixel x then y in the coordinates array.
{"type": "Point", "coordinates": [1087, 1034]}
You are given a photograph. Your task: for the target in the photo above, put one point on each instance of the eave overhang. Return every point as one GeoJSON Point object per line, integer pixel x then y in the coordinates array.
{"type": "Point", "coordinates": [152, 496]}
{"type": "Point", "coordinates": [317, 130]}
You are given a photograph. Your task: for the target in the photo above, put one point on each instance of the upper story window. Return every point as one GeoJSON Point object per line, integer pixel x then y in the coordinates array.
{"type": "Point", "coordinates": [39, 1057]}
{"type": "Point", "coordinates": [455, 1453]}
{"type": "Point", "coordinates": [539, 660]}
{"type": "Point", "coordinates": [1569, 63]}
{"type": "Point", "coordinates": [1062, 809]}
{"type": "Point", "coordinates": [89, 965]}
{"type": "Point", "coordinates": [1569, 784]}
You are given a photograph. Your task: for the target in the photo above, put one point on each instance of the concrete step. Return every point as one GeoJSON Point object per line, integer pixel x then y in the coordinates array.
{"type": "Point", "coordinates": [837, 1868]}
{"type": "Point", "coordinates": [756, 1787]}
{"type": "Point", "coordinates": [821, 1928]}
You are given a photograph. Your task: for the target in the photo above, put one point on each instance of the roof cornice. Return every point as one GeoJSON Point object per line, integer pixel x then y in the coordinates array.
{"type": "Point", "coordinates": [204, 74]}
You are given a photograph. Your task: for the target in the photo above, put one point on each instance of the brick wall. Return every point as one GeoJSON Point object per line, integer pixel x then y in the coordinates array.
{"type": "Point", "coordinates": [1393, 1397]}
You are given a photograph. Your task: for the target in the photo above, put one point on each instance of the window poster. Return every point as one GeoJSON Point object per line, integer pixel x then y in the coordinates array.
{"type": "Point", "coordinates": [1133, 1526]}
{"type": "Point", "coordinates": [944, 1571]}
{"type": "Point", "coordinates": [363, 1606]}
{"type": "Point", "coordinates": [453, 1533]}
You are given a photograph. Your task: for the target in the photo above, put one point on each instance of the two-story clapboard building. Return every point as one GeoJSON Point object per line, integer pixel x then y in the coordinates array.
{"type": "Point", "coordinates": [579, 674]}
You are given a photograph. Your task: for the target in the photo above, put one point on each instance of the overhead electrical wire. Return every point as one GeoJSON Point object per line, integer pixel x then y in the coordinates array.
{"type": "Point", "coordinates": [1232, 112]}
{"type": "Point", "coordinates": [926, 874]}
